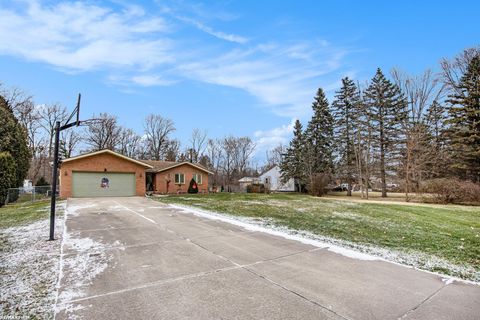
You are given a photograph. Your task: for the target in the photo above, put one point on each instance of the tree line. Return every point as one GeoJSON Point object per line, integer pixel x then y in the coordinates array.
{"type": "Point", "coordinates": [402, 128]}
{"type": "Point", "coordinates": [229, 158]}
{"type": "Point", "coordinates": [406, 129]}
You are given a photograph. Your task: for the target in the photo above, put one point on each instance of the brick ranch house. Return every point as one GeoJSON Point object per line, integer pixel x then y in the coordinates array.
{"type": "Point", "coordinates": [106, 173]}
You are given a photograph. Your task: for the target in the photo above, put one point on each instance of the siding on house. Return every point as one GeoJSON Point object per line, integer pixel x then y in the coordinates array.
{"type": "Point", "coordinates": [273, 181]}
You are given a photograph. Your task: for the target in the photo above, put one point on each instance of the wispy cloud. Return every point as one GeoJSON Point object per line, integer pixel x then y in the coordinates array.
{"type": "Point", "coordinates": [143, 80]}
{"type": "Point", "coordinates": [283, 77]}
{"type": "Point", "coordinates": [136, 48]}
{"type": "Point", "coordinates": [211, 31]}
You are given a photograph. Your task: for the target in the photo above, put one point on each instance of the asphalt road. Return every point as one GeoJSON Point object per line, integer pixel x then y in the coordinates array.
{"type": "Point", "coordinates": [133, 258]}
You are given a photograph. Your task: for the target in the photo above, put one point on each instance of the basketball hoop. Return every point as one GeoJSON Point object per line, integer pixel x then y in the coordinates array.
{"type": "Point", "coordinates": [58, 128]}
{"type": "Point", "coordinates": [89, 122]}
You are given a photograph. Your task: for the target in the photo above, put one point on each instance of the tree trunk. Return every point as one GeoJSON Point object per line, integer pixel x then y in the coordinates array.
{"type": "Point", "coordinates": [382, 162]}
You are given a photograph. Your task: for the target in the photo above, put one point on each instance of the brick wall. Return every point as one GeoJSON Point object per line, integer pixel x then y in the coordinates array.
{"type": "Point", "coordinates": [98, 163]}
{"type": "Point", "coordinates": [161, 179]}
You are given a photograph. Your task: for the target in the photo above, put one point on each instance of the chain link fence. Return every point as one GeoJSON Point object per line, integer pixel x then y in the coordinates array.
{"type": "Point", "coordinates": [30, 194]}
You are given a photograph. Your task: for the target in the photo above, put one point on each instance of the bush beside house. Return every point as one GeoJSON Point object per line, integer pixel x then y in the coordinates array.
{"type": "Point", "coordinates": [193, 187]}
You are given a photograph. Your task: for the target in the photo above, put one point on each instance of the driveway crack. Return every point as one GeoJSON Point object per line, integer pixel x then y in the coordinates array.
{"type": "Point", "coordinates": [422, 302]}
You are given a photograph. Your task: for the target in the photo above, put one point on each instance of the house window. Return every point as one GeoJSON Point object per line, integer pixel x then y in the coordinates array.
{"type": "Point", "coordinates": [198, 178]}
{"type": "Point", "coordinates": [179, 178]}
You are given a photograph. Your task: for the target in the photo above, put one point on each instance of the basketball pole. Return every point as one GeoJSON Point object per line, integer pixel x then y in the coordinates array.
{"type": "Point", "coordinates": [54, 182]}
{"type": "Point", "coordinates": [56, 162]}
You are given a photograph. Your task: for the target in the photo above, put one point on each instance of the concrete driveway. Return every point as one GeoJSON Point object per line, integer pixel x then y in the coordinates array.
{"type": "Point", "coordinates": [133, 258]}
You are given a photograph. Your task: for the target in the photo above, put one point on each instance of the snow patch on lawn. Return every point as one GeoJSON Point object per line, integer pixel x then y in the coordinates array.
{"type": "Point", "coordinates": [349, 249]}
{"type": "Point", "coordinates": [29, 268]}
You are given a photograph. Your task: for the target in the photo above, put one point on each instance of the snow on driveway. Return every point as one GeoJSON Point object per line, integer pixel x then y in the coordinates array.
{"type": "Point", "coordinates": [87, 258]}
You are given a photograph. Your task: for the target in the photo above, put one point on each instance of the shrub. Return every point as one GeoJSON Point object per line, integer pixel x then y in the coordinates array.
{"type": "Point", "coordinates": [451, 190]}
{"type": "Point", "coordinates": [256, 188]}
{"type": "Point", "coordinates": [193, 187]}
{"type": "Point", "coordinates": [318, 184]}
{"type": "Point", "coordinates": [42, 182]}
{"type": "Point", "coordinates": [7, 175]}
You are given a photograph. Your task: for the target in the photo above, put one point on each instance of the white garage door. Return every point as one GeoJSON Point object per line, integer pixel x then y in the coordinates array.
{"type": "Point", "coordinates": [103, 184]}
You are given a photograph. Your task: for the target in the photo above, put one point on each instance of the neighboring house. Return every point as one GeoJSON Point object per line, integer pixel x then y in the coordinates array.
{"type": "Point", "coordinates": [273, 181]}
{"type": "Point", "coordinates": [106, 173]}
{"type": "Point", "coordinates": [174, 177]}
{"type": "Point", "coordinates": [246, 181]}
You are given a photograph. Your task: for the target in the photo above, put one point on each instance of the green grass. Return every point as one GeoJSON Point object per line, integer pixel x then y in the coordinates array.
{"type": "Point", "coordinates": [449, 232]}
{"type": "Point", "coordinates": [23, 213]}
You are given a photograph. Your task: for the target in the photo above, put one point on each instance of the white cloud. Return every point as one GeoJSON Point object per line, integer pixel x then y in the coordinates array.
{"type": "Point", "coordinates": [282, 77]}
{"type": "Point", "coordinates": [140, 49]}
{"type": "Point", "coordinates": [81, 37]}
{"type": "Point", "coordinates": [268, 139]}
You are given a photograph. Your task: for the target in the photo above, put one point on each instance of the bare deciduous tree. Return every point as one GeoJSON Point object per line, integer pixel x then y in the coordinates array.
{"type": "Point", "coordinates": [244, 150]}
{"type": "Point", "coordinates": [453, 70]}
{"type": "Point", "coordinates": [49, 115]}
{"type": "Point", "coordinates": [69, 141]}
{"type": "Point", "coordinates": [27, 114]}
{"type": "Point", "coordinates": [103, 133]}
{"type": "Point", "coordinates": [274, 157]}
{"type": "Point", "coordinates": [129, 143]}
{"type": "Point", "coordinates": [229, 148]}
{"type": "Point", "coordinates": [172, 150]}
{"type": "Point", "coordinates": [16, 99]}
{"type": "Point", "coordinates": [157, 129]}
{"type": "Point", "coordinates": [421, 92]}
{"type": "Point", "coordinates": [236, 153]}
{"type": "Point", "coordinates": [198, 143]}
{"type": "Point", "coordinates": [215, 155]}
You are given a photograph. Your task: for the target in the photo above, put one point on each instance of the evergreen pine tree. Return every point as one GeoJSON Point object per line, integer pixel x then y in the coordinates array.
{"type": "Point", "coordinates": [14, 141]}
{"type": "Point", "coordinates": [464, 119]}
{"type": "Point", "coordinates": [319, 136]}
{"type": "Point", "coordinates": [291, 165]}
{"type": "Point", "coordinates": [387, 107]}
{"type": "Point", "coordinates": [437, 158]}
{"type": "Point", "coordinates": [345, 109]}
{"type": "Point", "coordinates": [7, 175]}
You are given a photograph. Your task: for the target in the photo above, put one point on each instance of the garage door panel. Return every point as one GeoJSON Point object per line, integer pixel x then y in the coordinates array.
{"type": "Point", "coordinates": [103, 184]}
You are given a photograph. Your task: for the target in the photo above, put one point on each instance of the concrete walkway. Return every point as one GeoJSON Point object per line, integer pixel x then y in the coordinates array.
{"type": "Point", "coordinates": [133, 258]}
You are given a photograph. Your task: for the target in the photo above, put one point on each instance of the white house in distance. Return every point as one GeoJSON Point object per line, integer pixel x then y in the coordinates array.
{"type": "Point", "coordinates": [272, 179]}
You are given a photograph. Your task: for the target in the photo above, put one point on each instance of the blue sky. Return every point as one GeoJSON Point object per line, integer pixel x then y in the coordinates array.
{"type": "Point", "coordinates": [232, 67]}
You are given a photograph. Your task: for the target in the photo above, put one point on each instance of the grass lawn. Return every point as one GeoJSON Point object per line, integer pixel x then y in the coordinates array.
{"type": "Point", "coordinates": [22, 213]}
{"type": "Point", "coordinates": [29, 264]}
{"type": "Point", "coordinates": [451, 233]}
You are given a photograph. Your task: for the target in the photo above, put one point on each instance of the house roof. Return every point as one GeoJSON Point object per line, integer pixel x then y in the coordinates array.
{"type": "Point", "coordinates": [159, 166]}
{"type": "Point", "coordinates": [274, 169]}
{"type": "Point", "coordinates": [91, 154]}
